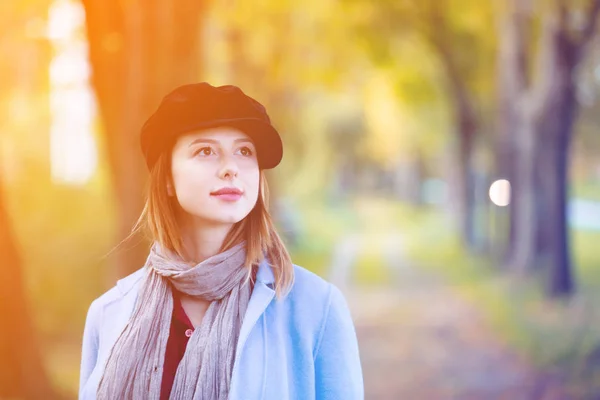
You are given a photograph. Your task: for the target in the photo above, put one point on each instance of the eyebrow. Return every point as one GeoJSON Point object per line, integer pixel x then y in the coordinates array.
{"type": "Point", "coordinates": [213, 141]}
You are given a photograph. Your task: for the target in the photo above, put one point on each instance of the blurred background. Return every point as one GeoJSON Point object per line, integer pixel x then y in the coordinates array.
{"type": "Point", "coordinates": [442, 167]}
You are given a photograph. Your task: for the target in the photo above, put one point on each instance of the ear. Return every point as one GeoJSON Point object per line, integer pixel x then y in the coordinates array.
{"type": "Point", "coordinates": [170, 191]}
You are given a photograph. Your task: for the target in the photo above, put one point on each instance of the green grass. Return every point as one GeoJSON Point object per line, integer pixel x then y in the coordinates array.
{"type": "Point", "coordinates": [370, 267]}
{"type": "Point", "coordinates": [324, 226]}
{"type": "Point", "coordinates": [376, 218]}
{"type": "Point", "coordinates": [321, 228]}
{"type": "Point", "coordinates": [588, 191]}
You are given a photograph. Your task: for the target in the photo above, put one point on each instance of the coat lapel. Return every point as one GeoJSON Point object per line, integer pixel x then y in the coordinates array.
{"type": "Point", "coordinates": [261, 297]}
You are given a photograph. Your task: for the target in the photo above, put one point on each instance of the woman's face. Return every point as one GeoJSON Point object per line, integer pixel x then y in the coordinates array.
{"type": "Point", "coordinates": [215, 175]}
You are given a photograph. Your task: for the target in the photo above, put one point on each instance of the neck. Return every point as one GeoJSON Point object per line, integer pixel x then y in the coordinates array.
{"type": "Point", "coordinates": [202, 240]}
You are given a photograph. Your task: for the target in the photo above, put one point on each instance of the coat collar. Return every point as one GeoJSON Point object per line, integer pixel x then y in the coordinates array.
{"type": "Point", "coordinates": [265, 273]}
{"type": "Point", "coordinates": [125, 284]}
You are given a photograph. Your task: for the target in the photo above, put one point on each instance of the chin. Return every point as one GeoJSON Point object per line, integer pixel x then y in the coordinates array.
{"type": "Point", "coordinates": [226, 218]}
{"type": "Point", "coordinates": [219, 214]}
{"type": "Point", "coordinates": [230, 220]}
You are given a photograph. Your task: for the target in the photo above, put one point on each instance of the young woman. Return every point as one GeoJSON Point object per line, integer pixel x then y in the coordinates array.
{"type": "Point", "coordinates": [218, 311]}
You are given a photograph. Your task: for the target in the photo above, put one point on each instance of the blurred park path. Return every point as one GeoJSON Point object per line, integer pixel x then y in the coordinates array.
{"type": "Point", "coordinates": [419, 340]}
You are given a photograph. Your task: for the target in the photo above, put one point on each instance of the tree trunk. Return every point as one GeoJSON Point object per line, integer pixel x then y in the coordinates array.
{"type": "Point", "coordinates": [547, 113]}
{"type": "Point", "coordinates": [555, 249]}
{"type": "Point", "coordinates": [415, 170]}
{"type": "Point", "coordinates": [512, 82]}
{"type": "Point", "coordinates": [139, 51]}
{"type": "Point", "coordinates": [22, 372]}
{"type": "Point", "coordinates": [556, 131]}
{"type": "Point", "coordinates": [466, 125]}
{"type": "Point", "coordinates": [466, 190]}
{"type": "Point", "coordinates": [525, 223]}
{"type": "Point", "coordinates": [549, 118]}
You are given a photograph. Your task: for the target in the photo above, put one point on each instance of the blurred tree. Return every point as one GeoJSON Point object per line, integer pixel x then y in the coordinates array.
{"type": "Point", "coordinates": [139, 52]}
{"type": "Point", "coordinates": [541, 116]}
{"type": "Point", "coordinates": [512, 78]}
{"type": "Point", "coordinates": [588, 141]}
{"type": "Point", "coordinates": [22, 372]}
{"type": "Point", "coordinates": [458, 34]}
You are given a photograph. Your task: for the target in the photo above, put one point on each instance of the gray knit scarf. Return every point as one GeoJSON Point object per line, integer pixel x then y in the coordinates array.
{"type": "Point", "coordinates": [134, 368]}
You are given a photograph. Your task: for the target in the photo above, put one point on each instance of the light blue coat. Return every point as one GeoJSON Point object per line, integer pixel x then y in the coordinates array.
{"type": "Point", "coordinates": [300, 347]}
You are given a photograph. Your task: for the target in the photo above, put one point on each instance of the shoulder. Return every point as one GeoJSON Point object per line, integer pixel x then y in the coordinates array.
{"type": "Point", "coordinates": [317, 309]}
{"type": "Point", "coordinates": [311, 297]}
{"type": "Point", "coordinates": [121, 288]}
{"type": "Point", "coordinates": [310, 286]}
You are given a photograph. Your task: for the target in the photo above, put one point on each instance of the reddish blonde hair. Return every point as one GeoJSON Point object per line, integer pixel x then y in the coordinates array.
{"type": "Point", "coordinates": [257, 228]}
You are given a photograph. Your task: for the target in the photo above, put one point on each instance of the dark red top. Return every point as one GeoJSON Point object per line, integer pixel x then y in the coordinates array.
{"type": "Point", "coordinates": [179, 334]}
{"type": "Point", "coordinates": [176, 344]}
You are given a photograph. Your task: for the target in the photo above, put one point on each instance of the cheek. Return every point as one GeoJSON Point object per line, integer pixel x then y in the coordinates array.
{"type": "Point", "coordinates": [252, 186]}
{"type": "Point", "coordinates": [191, 185]}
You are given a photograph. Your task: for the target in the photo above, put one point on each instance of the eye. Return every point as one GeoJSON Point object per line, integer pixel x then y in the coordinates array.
{"type": "Point", "coordinates": [204, 151]}
{"type": "Point", "coordinates": [246, 151]}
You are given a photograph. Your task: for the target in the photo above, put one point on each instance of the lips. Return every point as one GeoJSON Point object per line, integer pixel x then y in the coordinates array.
{"type": "Point", "coordinates": [228, 194]}
{"type": "Point", "coordinates": [230, 190]}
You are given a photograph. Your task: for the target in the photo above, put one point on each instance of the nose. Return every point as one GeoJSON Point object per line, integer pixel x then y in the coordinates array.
{"type": "Point", "coordinates": [228, 169]}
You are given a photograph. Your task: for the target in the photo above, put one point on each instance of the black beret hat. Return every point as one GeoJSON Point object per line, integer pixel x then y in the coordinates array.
{"type": "Point", "coordinates": [200, 105]}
